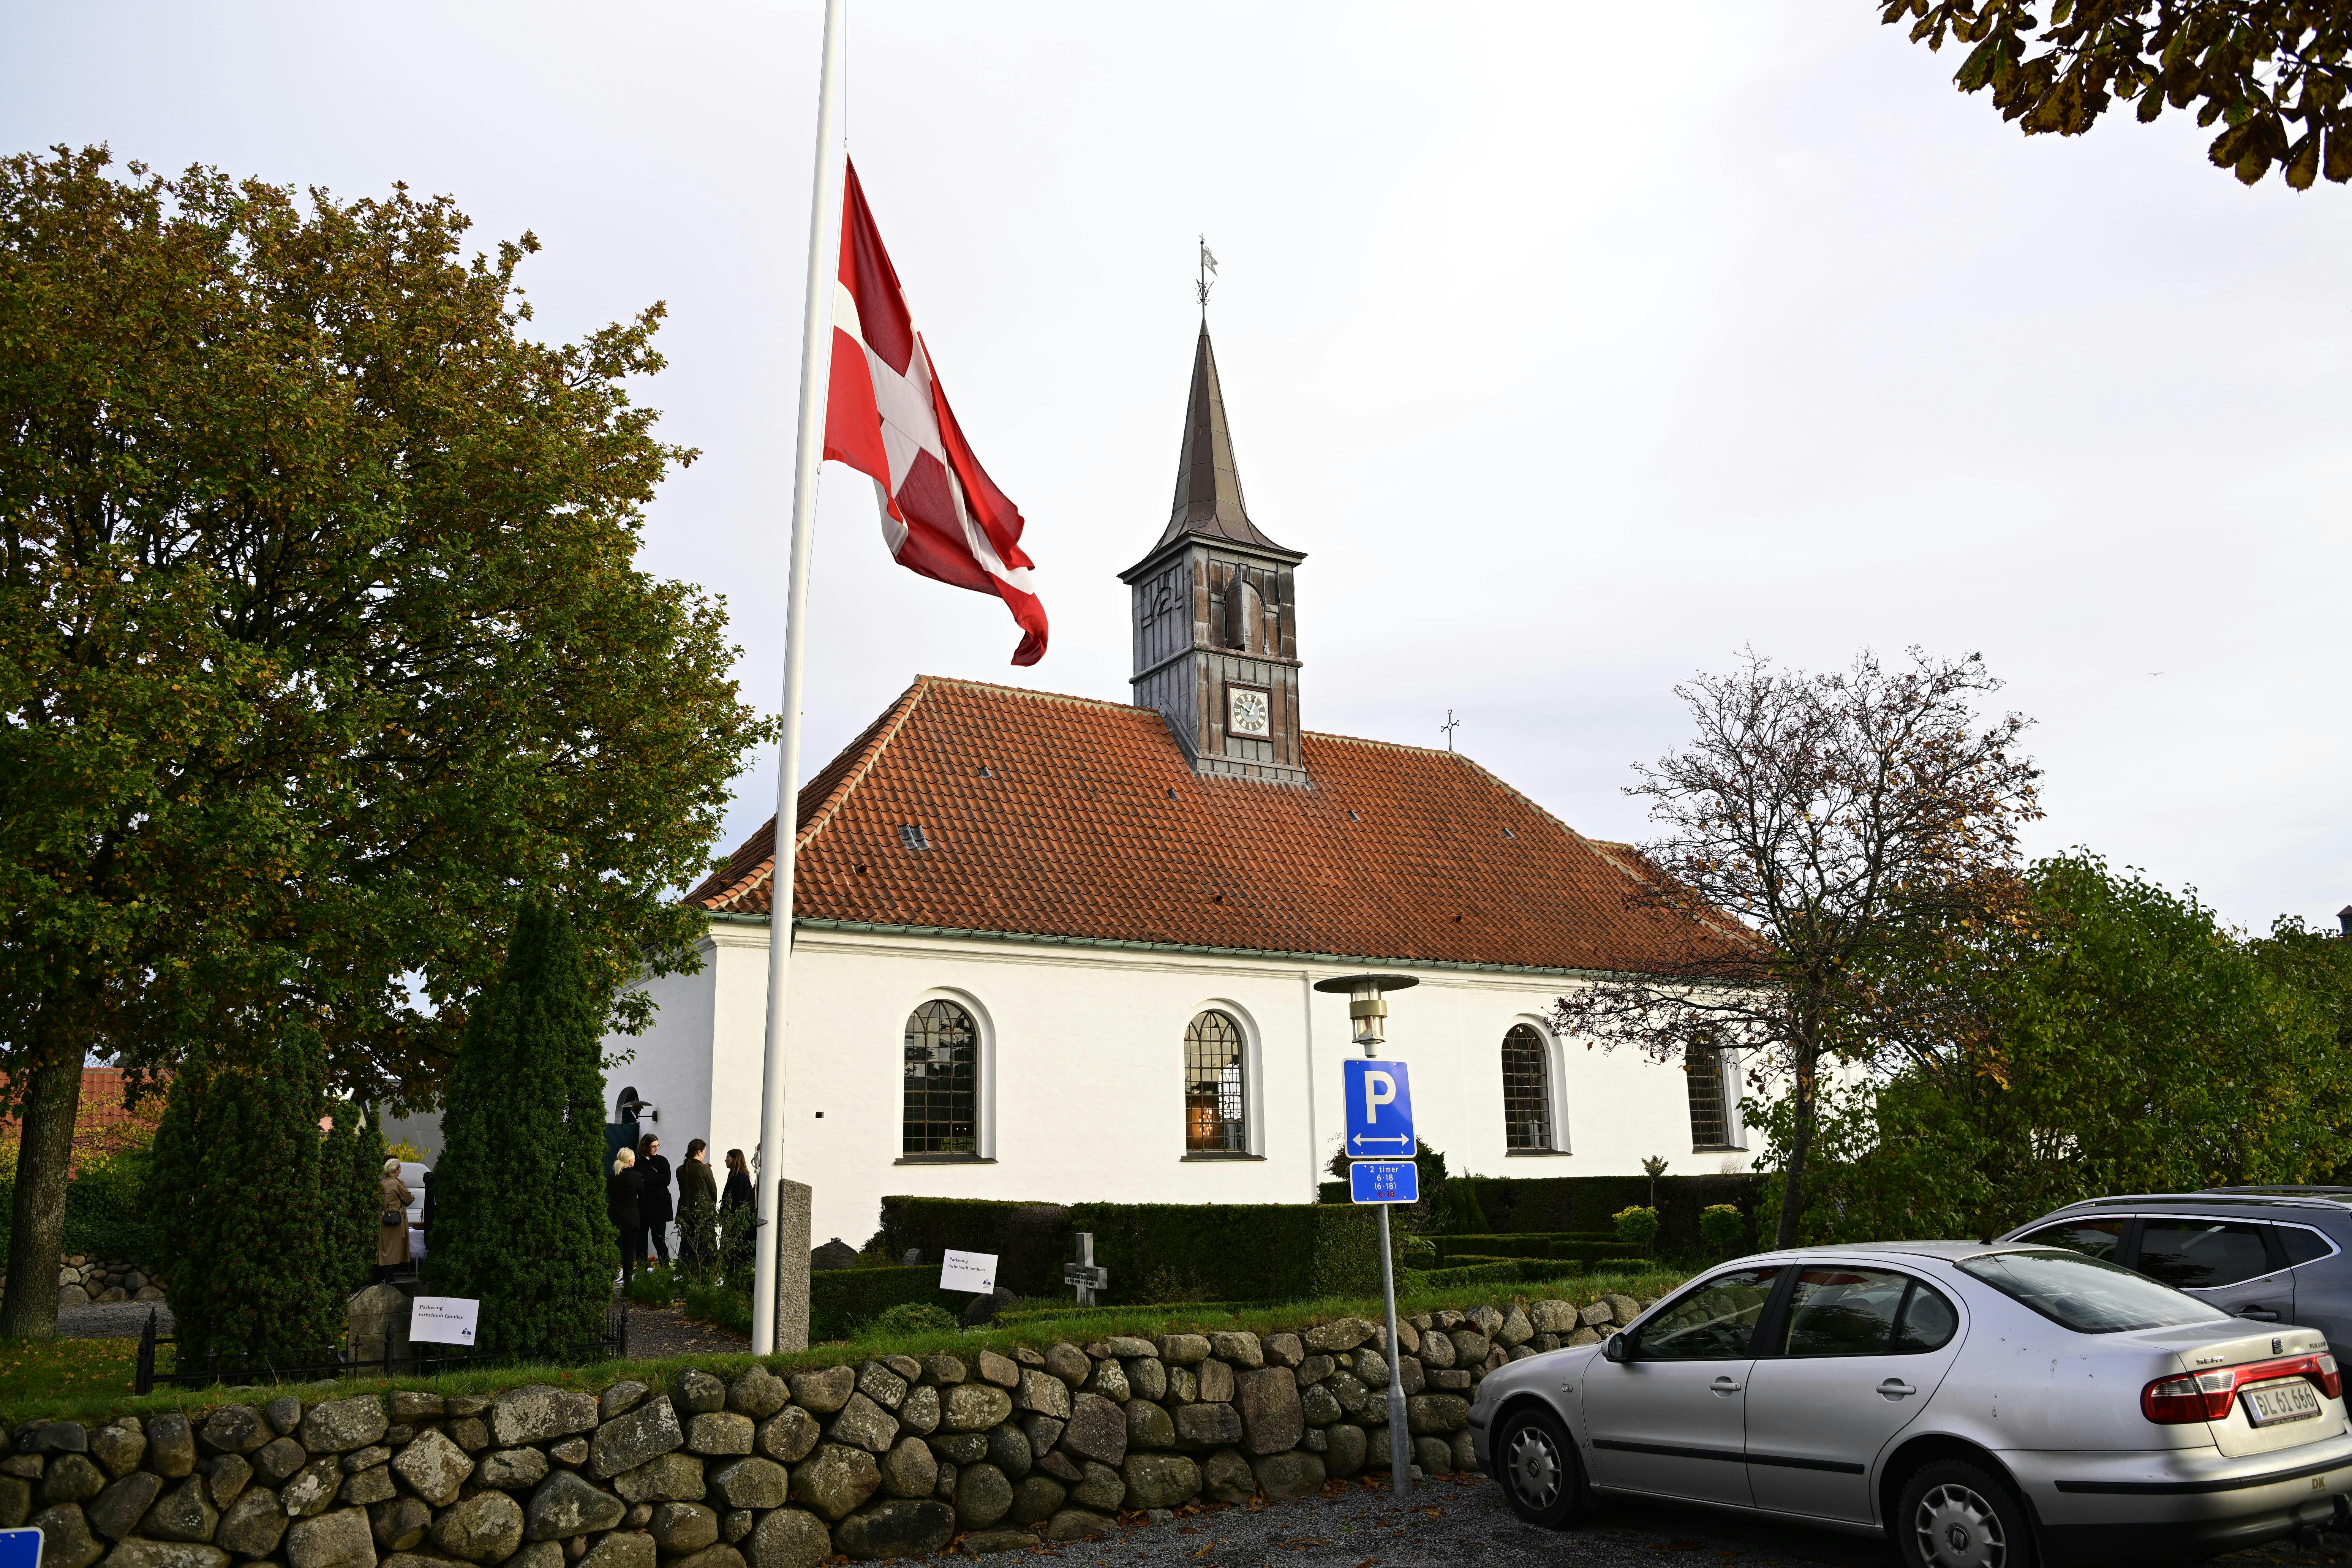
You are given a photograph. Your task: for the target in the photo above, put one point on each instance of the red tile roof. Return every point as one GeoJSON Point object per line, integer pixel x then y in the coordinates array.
{"type": "Point", "coordinates": [1066, 817]}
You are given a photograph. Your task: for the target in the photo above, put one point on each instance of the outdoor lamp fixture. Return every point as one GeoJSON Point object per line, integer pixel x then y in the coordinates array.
{"type": "Point", "coordinates": [1366, 1006]}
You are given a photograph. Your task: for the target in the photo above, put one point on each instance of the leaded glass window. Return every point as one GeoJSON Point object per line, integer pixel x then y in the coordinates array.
{"type": "Point", "coordinates": [1527, 1095]}
{"type": "Point", "coordinates": [942, 1080]}
{"type": "Point", "coordinates": [1216, 1111]}
{"type": "Point", "coordinates": [1703, 1064]}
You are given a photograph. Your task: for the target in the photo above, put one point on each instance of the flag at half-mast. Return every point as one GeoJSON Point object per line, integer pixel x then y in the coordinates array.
{"type": "Point", "coordinates": [887, 417]}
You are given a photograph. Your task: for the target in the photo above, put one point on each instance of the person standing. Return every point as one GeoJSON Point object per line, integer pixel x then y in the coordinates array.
{"type": "Point", "coordinates": [697, 1208]}
{"type": "Point", "coordinates": [652, 1176]}
{"type": "Point", "coordinates": [622, 1203]}
{"type": "Point", "coordinates": [739, 1182]}
{"type": "Point", "coordinates": [392, 1229]}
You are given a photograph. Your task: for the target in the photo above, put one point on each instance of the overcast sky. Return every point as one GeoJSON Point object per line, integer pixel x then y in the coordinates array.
{"type": "Point", "coordinates": [1578, 345]}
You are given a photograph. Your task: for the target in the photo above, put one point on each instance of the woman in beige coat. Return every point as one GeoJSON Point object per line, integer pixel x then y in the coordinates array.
{"type": "Point", "coordinates": [392, 1238]}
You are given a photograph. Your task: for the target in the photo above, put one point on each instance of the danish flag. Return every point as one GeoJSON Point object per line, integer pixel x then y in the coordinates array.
{"type": "Point", "coordinates": [887, 417]}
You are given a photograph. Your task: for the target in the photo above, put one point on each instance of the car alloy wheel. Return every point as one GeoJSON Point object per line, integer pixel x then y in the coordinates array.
{"type": "Point", "coordinates": [1532, 1462]}
{"type": "Point", "coordinates": [1958, 1527]}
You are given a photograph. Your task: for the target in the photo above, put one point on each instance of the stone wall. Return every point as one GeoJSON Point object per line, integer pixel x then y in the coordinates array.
{"type": "Point", "coordinates": [83, 1279]}
{"type": "Point", "coordinates": [894, 1457]}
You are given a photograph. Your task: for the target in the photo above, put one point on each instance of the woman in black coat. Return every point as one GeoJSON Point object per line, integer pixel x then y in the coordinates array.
{"type": "Point", "coordinates": [698, 1207]}
{"type": "Point", "coordinates": [739, 1182]}
{"type": "Point", "coordinates": [623, 1202]}
{"type": "Point", "coordinates": [654, 1207]}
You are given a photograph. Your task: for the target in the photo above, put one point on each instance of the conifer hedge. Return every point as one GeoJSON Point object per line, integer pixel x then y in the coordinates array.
{"type": "Point", "coordinates": [518, 1196]}
{"type": "Point", "coordinates": [238, 1195]}
{"type": "Point", "coordinates": [352, 1172]}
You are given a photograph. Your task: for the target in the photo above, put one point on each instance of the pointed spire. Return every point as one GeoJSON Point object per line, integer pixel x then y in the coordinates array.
{"type": "Point", "coordinates": [1207, 485]}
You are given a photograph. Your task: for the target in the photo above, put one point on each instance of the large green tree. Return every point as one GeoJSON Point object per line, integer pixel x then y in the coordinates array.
{"type": "Point", "coordinates": [518, 1219]}
{"type": "Point", "coordinates": [2272, 74]}
{"type": "Point", "coordinates": [2125, 1040]}
{"type": "Point", "coordinates": [320, 637]}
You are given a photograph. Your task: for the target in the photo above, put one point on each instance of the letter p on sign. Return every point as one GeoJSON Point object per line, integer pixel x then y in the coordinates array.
{"type": "Point", "coordinates": [1379, 1107]}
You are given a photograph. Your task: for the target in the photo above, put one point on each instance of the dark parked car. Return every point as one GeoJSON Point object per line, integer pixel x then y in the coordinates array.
{"type": "Point", "coordinates": [2275, 1254]}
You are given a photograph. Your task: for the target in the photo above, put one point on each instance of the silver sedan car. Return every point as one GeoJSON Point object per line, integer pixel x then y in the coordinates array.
{"type": "Point", "coordinates": [1983, 1404]}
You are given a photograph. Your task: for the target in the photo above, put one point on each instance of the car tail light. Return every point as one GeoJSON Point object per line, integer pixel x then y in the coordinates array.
{"type": "Point", "coordinates": [2208, 1395]}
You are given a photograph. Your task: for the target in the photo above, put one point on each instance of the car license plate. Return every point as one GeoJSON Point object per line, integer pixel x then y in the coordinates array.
{"type": "Point", "coordinates": [2292, 1399]}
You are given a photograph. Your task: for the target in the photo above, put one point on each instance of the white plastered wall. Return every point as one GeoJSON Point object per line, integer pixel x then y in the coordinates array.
{"type": "Point", "coordinates": [1082, 1079]}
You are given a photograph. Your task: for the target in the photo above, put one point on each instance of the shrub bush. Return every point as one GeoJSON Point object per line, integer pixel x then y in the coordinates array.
{"type": "Point", "coordinates": [656, 1287]}
{"type": "Point", "coordinates": [1155, 1252]}
{"type": "Point", "coordinates": [107, 1214]}
{"type": "Point", "coordinates": [518, 1219]}
{"type": "Point", "coordinates": [843, 1301]}
{"type": "Point", "coordinates": [1637, 1225]}
{"type": "Point", "coordinates": [243, 1204]}
{"type": "Point", "coordinates": [1723, 1228]}
{"type": "Point", "coordinates": [913, 1318]}
{"type": "Point", "coordinates": [730, 1310]}
{"type": "Point", "coordinates": [1581, 1205]}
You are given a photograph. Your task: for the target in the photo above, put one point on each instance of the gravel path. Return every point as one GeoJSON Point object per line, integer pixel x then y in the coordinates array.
{"type": "Point", "coordinates": [1459, 1519]}
{"type": "Point", "coordinates": [655, 1332]}
{"type": "Point", "coordinates": [1462, 1518]}
{"type": "Point", "coordinates": [112, 1320]}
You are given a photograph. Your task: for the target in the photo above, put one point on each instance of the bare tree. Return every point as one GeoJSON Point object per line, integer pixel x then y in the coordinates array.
{"type": "Point", "coordinates": [1821, 829]}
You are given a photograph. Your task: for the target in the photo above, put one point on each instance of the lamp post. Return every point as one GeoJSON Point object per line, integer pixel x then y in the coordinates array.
{"type": "Point", "coordinates": [1367, 1010]}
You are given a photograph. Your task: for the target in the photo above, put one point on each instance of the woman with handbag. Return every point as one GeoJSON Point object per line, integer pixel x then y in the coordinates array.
{"type": "Point", "coordinates": [392, 1225]}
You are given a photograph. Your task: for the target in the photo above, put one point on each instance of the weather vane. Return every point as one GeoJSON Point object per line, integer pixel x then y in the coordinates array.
{"type": "Point", "coordinates": [1208, 266]}
{"type": "Point", "coordinates": [1451, 724]}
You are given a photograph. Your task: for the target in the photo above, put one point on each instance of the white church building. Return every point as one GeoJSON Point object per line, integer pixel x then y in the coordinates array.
{"type": "Point", "coordinates": [1054, 949]}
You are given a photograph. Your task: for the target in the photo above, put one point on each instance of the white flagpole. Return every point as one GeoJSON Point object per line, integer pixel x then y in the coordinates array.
{"type": "Point", "coordinates": [816, 370]}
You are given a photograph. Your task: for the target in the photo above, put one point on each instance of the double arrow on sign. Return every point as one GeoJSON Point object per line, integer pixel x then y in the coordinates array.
{"type": "Point", "coordinates": [1363, 1139]}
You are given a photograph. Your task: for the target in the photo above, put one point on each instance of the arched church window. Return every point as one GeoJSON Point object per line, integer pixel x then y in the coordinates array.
{"type": "Point", "coordinates": [1527, 1089]}
{"type": "Point", "coordinates": [1216, 1111]}
{"type": "Point", "coordinates": [942, 1080]}
{"type": "Point", "coordinates": [1710, 1127]}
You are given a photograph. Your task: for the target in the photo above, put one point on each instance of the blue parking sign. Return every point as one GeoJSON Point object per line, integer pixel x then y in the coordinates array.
{"type": "Point", "coordinates": [20, 1548]}
{"type": "Point", "coordinates": [1379, 1110]}
{"type": "Point", "coordinates": [1384, 1182]}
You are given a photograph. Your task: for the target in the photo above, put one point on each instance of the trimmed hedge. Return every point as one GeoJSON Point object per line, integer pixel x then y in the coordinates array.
{"type": "Point", "coordinates": [844, 1301]}
{"type": "Point", "coordinates": [1493, 1271]}
{"type": "Point", "coordinates": [1582, 1206]}
{"type": "Point", "coordinates": [107, 1214]}
{"type": "Point", "coordinates": [1029, 1241]}
{"type": "Point", "coordinates": [1061, 1309]}
{"type": "Point", "coordinates": [1155, 1252]}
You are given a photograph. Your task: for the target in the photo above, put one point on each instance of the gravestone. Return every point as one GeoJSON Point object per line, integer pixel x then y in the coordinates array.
{"type": "Point", "coordinates": [792, 1210]}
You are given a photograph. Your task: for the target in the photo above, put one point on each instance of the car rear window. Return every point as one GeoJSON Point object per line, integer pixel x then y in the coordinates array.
{"type": "Point", "coordinates": [2086, 1295]}
{"type": "Point", "coordinates": [2202, 1255]}
{"type": "Point", "coordinates": [2303, 1245]}
{"type": "Point", "coordinates": [2091, 1237]}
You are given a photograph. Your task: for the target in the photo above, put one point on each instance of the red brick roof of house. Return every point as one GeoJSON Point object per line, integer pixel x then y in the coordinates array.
{"type": "Point", "coordinates": [986, 808]}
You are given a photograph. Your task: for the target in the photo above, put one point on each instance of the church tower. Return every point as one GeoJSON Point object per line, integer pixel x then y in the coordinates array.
{"type": "Point", "coordinates": [1216, 633]}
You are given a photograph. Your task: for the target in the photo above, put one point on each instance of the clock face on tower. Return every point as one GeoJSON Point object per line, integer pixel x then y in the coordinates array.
{"type": "Point", "coordinates": [1248, 713]}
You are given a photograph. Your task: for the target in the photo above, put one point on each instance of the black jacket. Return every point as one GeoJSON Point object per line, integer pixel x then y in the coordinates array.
{"type": "Point", "coordinates": [621, 1194]}
{"type": "Point", "coordinates": [739, 1190]}
{"type": "Point", "coordinates": [696, 1181]}
{"type": "Point", "coordinates": [652, 1173]}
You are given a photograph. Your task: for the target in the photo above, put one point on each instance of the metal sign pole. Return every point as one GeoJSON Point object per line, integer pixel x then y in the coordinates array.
{"type": "Point", "coordinates": [1377, 1111]}
{"type": "Point", "coordinates": [1400, 1439]}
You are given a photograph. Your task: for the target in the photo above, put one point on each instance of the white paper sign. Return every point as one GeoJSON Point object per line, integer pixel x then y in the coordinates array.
{"type": "Point", "coordinates": [974, 1272]}
{"type": "Point", "coordinates": [444, 1320]}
